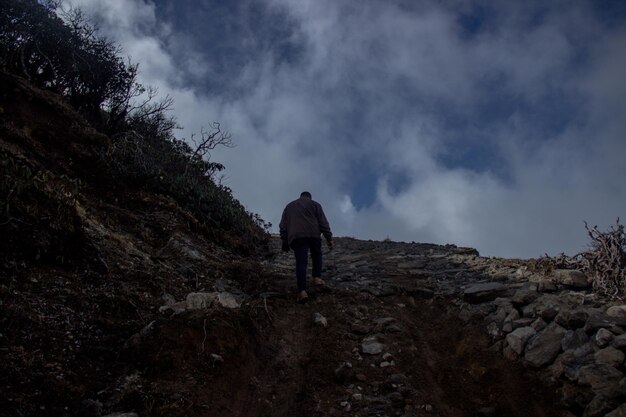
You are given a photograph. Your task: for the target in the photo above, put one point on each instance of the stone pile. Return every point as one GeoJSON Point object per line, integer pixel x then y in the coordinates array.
{"type": "Point", "coordinates": [558, 326]}
{"type": "Point", "coordinates": [553, 324]}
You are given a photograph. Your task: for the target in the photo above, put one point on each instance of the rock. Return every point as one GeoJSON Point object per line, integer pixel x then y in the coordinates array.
{"type": "Point", "coordinates": [397, 379]}
{"type": "Point", "coordinates": [539, 324]}
{"type": "Point", "coordinates": [616, 311]}
{"type": "Point", "coordinates": [175, 308]}
{"type": "Point", "coordinates": [523, 297]}
{"type": "Point", "coordinates": [618, 412]}
{"type": "Point", "coordinates": [361, 329]}
{"type": "Point", "coordinates": [216, 359]}
{"type": "Point", "coordinates": [386, 364]}
{"type": "Point", "coordinates": [199, 300]}
{"type": "Point", "coordinates": [393, 328]}
{"type": "Point", "coordinates": [320, 320]}
{"type": "Point", "coordinates": [493, 330]}
{"type": "Point", "coordinates": [480, 293]}
{"type": "Point", "coordinates": [571, 319]}
{"type": "Point", "coordinates": [371, 346]}
{"type": "Point", "coordinates": [546, 285]}
{"type": "Point", "coordinates": [122, 415]}
{"type": "Point", "coordinates": [168, 299]}
{"type": "Point", "coordinates": [574, 396]}
{"type": "Point", "coordinates": [518, 338]}
{"type": "Point", "coordinates": [226, 299]}
{"type": "Point", "coordinates": [573, 339]}
{"type": "Point", "coordinates": [548, 313]}
{"type": "Point", "coordinates": [523, 322]}
{"type": "Point", "coordinates": [603, 379]}
{"type": "Point", "coordinates": [543, 348]}
{"type": "Point", "coordinates": [619, 342]}
{"type": "Point", "coordinates": [382, 323]}
{"type": "Point", "coordinates": [610, 356]}
{"type": "Point", "coordinates": [396, 399]}
{"type": "Point", "coordinates": [357, 397]}
{"type": "Point", "coordinates": [572, 278]}
{"type": "Point", "coordinates": [603, 337]}
{"type": "Point", "coordinates": [344, 373]}
{"type": "Point", "coordinates": [599, 406]}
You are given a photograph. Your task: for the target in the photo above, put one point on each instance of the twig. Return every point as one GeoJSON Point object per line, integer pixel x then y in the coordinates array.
{"type": "Point", "coordinates": [203, 340]}
{"type": "Point", "coordinates": [266, 310]}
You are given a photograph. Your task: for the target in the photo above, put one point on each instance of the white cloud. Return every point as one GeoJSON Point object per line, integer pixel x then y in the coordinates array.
{"type": "Point", "coordinates": [385, 83]}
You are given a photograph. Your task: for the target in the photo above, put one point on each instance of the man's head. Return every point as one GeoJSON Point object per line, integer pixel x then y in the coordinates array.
{"type": "Point", "coordinates": [305, 194]}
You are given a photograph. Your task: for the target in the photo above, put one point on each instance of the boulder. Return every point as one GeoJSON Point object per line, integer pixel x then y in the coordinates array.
{"type": "Point", "coordinates": [518, 338]}
{"type": "Point", "coordinates": [610, 356]}
{"type": "Point", "coordinates": [618, 412]}
{"type": "Point", "coordinates": [603, 337]}
{"type": "Point", "coordinates": [599, 406]}
{"type": "Point", "coordinates": [199, 300]}
{"type": "Point", "coordinates": [573, 339]}
{"type": "Point", "coordinates": [480, 293]}
{"type": "Point", "coordinates": [523, 297]}
{"type": "Point", "coordinates": [619, 342]}
{"type": "Point", "coordinates": [572, 278]}
{"type": "Point", "coordinates": [616, 311]}
{"type": "Point", "coordinates": [543, 348]}
{"type": "Point", "coordinates": [603, 379]}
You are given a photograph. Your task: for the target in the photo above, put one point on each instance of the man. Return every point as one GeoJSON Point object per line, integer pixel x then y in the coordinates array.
{"type": "Point", "coordinates": [302, 223]}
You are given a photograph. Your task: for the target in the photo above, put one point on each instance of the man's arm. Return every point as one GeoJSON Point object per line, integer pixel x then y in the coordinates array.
{"type": "Point", "coordinates": [324, 226]}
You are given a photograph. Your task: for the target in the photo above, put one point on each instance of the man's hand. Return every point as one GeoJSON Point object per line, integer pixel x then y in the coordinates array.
{"type": "Point", "coordinates": [330, 244]}
{"type": "Point", "coordinates": [285, 246]}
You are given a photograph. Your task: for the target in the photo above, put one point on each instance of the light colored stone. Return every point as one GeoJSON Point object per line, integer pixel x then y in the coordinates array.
{"type": "Point", "coordinates": [226, 299]}
{"type": "Point", "coordinates": [199, 300]}
{"type": "Point", "coordinates": [616, 311]}
{"type": "Point", "coordinates": [572, 278]}
{"type": "Point", "coordinates": [372, 346]}
{"type": "Point", "coordinates": [543, 348]}
{"type": "Point", "coordinates": [320, 320]}
{"type": "Point", "coordinates": [610, 356]}
{"type": "Point", "coordinates": [518, 338]}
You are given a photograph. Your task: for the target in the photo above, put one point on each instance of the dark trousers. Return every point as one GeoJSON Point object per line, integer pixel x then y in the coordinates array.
{"type": "Point", "coordinates": [301, 248]}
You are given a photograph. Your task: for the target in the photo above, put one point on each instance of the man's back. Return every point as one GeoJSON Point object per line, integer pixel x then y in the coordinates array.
{"type": "Point", "coordinates": [303, 218]}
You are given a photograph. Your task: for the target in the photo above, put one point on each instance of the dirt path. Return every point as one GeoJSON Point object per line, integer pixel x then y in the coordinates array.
{"type": "Point", "coordinates": [424, 360]}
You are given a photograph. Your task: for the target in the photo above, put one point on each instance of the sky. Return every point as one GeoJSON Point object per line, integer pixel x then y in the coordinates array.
{"type": "Point", "coordinates": [495, 125]}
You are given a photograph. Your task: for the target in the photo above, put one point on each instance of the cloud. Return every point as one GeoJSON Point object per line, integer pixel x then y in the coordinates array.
{"type": "Point", "coordinates": [493, 125]}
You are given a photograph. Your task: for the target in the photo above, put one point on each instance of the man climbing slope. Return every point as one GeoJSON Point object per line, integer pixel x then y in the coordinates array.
{"type": "Point", "coordinates": [302, 223]}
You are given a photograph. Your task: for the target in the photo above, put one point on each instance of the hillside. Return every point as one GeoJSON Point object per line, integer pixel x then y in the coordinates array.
{"type": "Point", "coordinates": [119, 297]}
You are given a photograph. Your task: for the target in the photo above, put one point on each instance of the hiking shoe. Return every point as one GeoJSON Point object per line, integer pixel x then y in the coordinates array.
{"type": "Point", "coordinates": [303, 297]}
{"type": "Point", "coordinates": [318, 282]}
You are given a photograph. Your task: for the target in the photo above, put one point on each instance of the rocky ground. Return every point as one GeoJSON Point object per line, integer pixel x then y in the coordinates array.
{"type": "Point", "coordinates": [400, 330]}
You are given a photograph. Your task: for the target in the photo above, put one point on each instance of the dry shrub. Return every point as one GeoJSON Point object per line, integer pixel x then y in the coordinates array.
{"type": "Point", "coordinates": [604, 261]}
